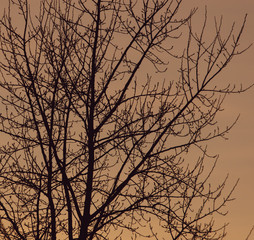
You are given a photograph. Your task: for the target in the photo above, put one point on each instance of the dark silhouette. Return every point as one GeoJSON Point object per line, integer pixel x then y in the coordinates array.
{"type": "Point", "coordinates": [99, 138]}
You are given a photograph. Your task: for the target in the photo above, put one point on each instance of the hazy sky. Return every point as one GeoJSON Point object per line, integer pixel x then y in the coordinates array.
{"type": "Point", "coordinates": [236, 154]}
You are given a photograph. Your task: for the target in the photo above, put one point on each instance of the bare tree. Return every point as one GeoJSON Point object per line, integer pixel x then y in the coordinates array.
{"type": "Point", "coordinates": [100, 137]}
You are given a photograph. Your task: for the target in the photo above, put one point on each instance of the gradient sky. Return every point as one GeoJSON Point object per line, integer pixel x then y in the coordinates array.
{"type": "Point", "coordinates": [237, 153]}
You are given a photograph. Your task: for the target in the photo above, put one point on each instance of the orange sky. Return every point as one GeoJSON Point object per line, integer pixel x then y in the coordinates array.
{"type": "Point", "coordinates": [236, 154]}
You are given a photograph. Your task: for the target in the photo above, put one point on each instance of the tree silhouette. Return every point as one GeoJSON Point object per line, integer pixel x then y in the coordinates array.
{"type": "Point", "coordinates": [99, 135]}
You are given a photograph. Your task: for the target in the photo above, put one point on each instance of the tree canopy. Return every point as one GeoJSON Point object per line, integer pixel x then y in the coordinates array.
{"type": "Point", "coordinates": [104, 137]}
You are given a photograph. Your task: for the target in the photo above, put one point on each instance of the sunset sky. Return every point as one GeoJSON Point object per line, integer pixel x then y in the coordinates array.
{"type": "Point", "coordinates": [237, 153]}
